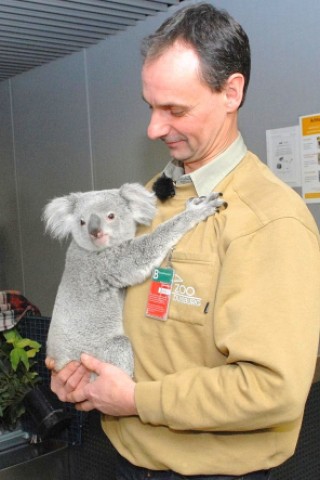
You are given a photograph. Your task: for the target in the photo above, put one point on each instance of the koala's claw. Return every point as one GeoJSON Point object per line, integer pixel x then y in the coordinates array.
{"type": "Point", "coordinates": [213, 200]}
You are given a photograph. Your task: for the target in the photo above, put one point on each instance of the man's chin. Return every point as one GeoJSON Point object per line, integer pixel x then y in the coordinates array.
{"type": "Point", "coordinates": [185, 159]}
{"type": "Point", "coordinates": [180, 156]}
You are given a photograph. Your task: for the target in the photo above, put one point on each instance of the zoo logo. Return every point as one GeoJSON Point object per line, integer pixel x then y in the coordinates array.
{"type": "Point", "coordinates": [184, 294]}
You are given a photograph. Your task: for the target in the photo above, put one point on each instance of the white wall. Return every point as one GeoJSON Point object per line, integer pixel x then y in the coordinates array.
{"type": "Point", "coordinates": [79, 123]}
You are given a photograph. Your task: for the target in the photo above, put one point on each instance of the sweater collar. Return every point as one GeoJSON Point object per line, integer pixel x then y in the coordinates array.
{"type": "Point", "coordinates": [207, 177]}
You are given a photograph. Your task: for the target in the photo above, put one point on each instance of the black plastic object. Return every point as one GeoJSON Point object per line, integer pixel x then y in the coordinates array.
{"type": "Point", "coordinates": [48, 418]}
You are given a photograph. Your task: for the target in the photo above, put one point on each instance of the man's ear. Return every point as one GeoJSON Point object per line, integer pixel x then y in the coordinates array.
{"type": "Point", "coordinates": [234, 91]}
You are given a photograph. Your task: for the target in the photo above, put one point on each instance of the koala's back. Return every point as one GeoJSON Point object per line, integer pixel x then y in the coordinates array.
{"type": "Point", "coordinates": [85, 316]}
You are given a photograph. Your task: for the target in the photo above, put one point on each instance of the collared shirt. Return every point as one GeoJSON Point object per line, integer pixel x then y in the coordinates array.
{"type": "Point", "coordinates": [207, 177]}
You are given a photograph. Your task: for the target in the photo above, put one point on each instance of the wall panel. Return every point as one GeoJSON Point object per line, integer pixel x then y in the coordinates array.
{"type": "Point", "coordinates": [11, 275]}
{"type": "Point", "coordinates": [53, 158]}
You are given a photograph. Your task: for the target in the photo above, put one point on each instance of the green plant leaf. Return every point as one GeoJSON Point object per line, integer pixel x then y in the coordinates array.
{"type": "Point", "coordinates": [32, 352]}
{"type": "Point", "coordinates": [23, 343]}
{"type": "Point", "coordinates": [14, 359]}
{"type": "Point", "coordinates": [26, 342]}
{"type": "Point", "coordinates": [16, 374]}
{"type": "Point", "coordinates": [18, 355]}
{"type": "Point", "coordinates": [12, 336]}
{"type": "Point", "coordinates": [34, 344]}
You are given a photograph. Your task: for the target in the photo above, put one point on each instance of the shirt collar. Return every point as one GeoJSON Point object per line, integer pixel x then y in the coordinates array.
{"type": "Point", "coordinates": [207, 177]}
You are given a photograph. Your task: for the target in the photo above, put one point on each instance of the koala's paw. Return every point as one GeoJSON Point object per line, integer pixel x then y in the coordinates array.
{"type": "Point", "coordinates": [207, 205]}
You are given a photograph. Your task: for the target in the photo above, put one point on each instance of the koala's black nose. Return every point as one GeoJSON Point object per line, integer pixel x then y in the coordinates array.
{"type": "Point", "coordinates": [95, 232]}
{"type": "Point", "coordinates": [94, 225]}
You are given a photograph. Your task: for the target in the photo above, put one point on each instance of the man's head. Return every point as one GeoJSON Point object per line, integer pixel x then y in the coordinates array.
{"type": "Point", "coordinates": [219, 41]}
{"type": "Point", "coordinates": [193, 78]}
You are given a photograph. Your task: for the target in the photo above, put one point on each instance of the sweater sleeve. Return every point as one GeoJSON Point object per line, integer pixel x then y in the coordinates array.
{"type": "Point", "coordinates": [266, 324]}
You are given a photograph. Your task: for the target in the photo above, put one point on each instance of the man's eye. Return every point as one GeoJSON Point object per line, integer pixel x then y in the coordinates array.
{"type": "Point", "coordinates": [82, 222]}
{"type": "Point", "coordinates": [178, 113]}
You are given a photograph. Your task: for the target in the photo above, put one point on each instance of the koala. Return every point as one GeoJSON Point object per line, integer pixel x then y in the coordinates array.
{"type": "Point", "coordinates": [103, 258]}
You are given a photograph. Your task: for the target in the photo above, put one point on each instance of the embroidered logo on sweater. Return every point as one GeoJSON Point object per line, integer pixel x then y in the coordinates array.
{"type": "Point", "coordinates": [185, 294]}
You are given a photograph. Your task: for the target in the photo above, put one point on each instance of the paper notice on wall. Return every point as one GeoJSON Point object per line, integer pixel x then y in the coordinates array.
{"type": "Point", "coordinates": [310, 157]}
{"type": "Point", "coordinates": [283, 155]}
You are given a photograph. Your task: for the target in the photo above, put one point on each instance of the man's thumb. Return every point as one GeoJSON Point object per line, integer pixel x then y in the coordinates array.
{"type": "Point", "coordinates": [91, 363]}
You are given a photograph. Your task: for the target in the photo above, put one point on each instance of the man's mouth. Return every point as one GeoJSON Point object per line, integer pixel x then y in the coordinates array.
{"type": "Point", "coordinates": [173, 142]}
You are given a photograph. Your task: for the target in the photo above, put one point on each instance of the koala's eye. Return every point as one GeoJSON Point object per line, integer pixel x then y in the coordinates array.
{"type": "Point", "coordinates": [82, 222]}
{"type": "Point", "coordinates": [111, 216]}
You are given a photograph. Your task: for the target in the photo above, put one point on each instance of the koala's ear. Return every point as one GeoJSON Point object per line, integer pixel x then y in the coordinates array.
{"type": "Point", "coordinates": [140, 201]}
{"type": "Point", "coordinates": [58, 215]}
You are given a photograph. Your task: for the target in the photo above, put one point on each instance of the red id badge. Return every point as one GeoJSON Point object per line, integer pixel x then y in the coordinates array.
{"type": "Point", "coordinates": [160, 293]}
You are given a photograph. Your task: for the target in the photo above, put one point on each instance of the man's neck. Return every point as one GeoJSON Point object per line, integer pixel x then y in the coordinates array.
{"type": "Point", "coordinates": [230, 136]}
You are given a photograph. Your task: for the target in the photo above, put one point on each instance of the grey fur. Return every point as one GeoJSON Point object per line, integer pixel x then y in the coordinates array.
{"type": "Point", "coordinates": [87, 315]}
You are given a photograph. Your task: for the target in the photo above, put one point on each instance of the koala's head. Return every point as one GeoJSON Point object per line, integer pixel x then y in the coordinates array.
{"type": "Point", "coordinates": [100, 219]}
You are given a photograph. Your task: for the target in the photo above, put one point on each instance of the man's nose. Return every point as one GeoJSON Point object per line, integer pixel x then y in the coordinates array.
{"type": "Point", "coordinates": [158, 126]}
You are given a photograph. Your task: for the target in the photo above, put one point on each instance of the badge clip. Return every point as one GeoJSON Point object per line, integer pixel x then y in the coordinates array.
{"type": "Point", "coordinates": [160, 293]}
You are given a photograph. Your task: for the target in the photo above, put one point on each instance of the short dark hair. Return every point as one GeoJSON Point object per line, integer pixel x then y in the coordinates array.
{"type": "Point", "coordinates": [221, 43]}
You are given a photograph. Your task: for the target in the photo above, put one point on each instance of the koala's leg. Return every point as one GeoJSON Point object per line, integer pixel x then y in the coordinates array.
{"type": "Point", "coordinates": [119, 352]}
{"type": "Point", "coordinates": [137, 258]}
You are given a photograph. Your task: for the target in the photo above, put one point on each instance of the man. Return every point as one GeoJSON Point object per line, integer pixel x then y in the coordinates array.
{"type": "Point", "coordinates": [221, 384]}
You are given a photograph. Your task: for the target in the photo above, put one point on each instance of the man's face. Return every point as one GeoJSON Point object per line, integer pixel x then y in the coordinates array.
{"type": "Point", "coordinates": [187, 115]}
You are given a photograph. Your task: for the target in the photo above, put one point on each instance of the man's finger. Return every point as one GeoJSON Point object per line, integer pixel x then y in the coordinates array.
{"type": "Point", "coordinates": [91, 363]}
{"type": "Point", "coordinates": [85, 406]}
{"type": "Point", "coordinates": [78, 378]}
{"type": "Point", "coordinates": [77, 396]}
{"type": "Point", "coordinates": [68, 371]}
{"type": "Point", "coordinates": [49, 363]}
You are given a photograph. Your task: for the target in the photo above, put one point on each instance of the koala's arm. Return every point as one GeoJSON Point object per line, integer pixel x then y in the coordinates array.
{"type": "Point", "coordinates": [133, 261]}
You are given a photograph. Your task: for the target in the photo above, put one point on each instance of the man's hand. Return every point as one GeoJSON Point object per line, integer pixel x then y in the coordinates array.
{"type": "Point", "coordinates": [112, 391]}
{"type": "Point", "coordinates": [72, 377]}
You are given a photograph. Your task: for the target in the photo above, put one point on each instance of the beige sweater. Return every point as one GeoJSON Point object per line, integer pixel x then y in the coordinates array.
{"type": "Point", "coordinates": [223, 382]}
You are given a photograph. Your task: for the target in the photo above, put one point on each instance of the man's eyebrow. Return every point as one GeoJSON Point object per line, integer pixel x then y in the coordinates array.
{"type": "Point", "coordinates": [167, 105]}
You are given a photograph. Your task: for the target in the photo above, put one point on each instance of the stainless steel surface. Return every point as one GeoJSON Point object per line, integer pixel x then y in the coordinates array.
{"type": "Point", "coordinates": [34, 32]}
{"type": "Point", "coordinates": [12, 439]}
